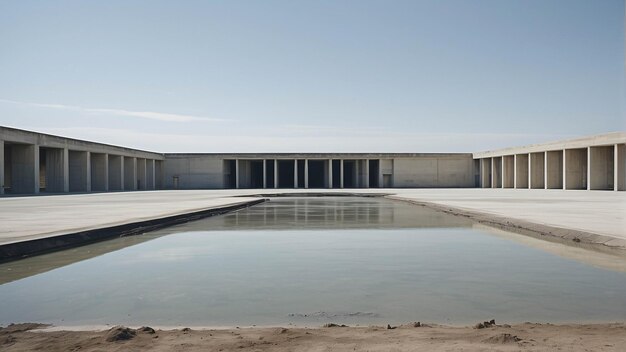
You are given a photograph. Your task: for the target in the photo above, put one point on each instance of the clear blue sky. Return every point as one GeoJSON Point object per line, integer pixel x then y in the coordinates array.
{"type": "Point", "coordinates": [245, 76]}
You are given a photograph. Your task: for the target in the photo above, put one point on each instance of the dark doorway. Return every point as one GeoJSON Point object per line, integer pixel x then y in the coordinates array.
{"type": "Point", "coordinates": [301, 173]}
{"type": "Point", "coordinates": [336, 173]}
{"type": "Point", "coordinates": [285, 173]}
{"type": "Point", "coordinates": [349, 174]}
{"type": "Point", "coordinates": [373, 173]}
{"type": "Point", "coordinates": [230, 174]}
{"type": "Point", "coordinates": [316, 174]}
{"type": "Point", "coordinates": [256, 173]}
{"type": "Point", "coordinates": [269, 166]}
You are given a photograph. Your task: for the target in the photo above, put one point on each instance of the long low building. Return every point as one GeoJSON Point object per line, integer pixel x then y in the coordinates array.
{"type": "Point", "coordinates": [32, 163]}
{"type": "Point", "coordinates": [588, 163]}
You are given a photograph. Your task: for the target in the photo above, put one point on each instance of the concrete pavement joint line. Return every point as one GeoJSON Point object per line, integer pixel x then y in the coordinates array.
{"type": "Point", "coordinates": [571, 237]}
{"type": "Point", "coordinates": [18, 250]}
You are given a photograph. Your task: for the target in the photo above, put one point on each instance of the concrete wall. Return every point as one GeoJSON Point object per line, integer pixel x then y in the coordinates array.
{"type": "Point", "coordinates": [620, 167]}
{"type": "Point", "coordinates": [435, 171]}
{"type": "Point", "coordinates": [56, 169]}
{"type": "Point", "coordinates": [536, 165]}
{"type": "Point", "coordinates": [29, 160]}
{"type": "Point", "coordinates": [485, 172]}
{"type": "Point", "coordinates": [130, 174]}
{"type": "Point", "coordinates": [99, 172]}
{"type": "Point", "coordinates": [576, 169]}
{"type": "Point", "coordinates": [554, 169]}
{"type": "Point", "coordinates": [496, 172]}
{"type": "Point", "coordinates": [601, 168]}
{"type": "Point", "coordinates": [80, 172]}
{"type": "Point", "coordinates": [193, 171]}
{"type": "Point", "coordinates": [142, 176]}
{"type": "Point", "coordinates": [508, 171]}
{"type": "Point", "coordinates": [116, 173]}
{"type": "Point", "coordinates": [521, 171]}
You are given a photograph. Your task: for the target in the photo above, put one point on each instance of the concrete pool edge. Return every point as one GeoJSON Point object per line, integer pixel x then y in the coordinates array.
{"type": "Point", "coordinates": [22, 249]}
{"type": "Point", "coordinates": [567, 236]}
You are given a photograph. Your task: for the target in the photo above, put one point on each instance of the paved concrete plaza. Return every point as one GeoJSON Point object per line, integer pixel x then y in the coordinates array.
{"type": "Point", "coordinates": [23, 218]}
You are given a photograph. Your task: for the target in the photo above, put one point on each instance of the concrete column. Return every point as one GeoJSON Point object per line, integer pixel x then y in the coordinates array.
{"type": "Point", "coordinates": [295, 173]}
{"type": "Point", "coordinates": [1, 167]}
{"type": "Point", "coordinates": [88, 171]}
{"type": "Point", "coordinates": [306, 173]}
{"type": "Point", "coordinates": [264, 173]}
{"type": "Point", "coordinates": [515, 171]}
{"type": "Point", "coordinates": [620, 167]}
{"type": "Point", "coordinates": [66, 170]}
{"type": "Point", "coordinates": [275, 173]}
{"type": "Point", "coordinates": [122, 173]}
{"type": "Point", "coordinates": [564, 176]}
{"type": "Point", "coordinates": [366, 184]}
{"type": "Point", "coordinates": [341, 173]}
{"type": "Point", "coordinates": [545, 170]}
{"type": "Point", "coordinates": [330, 173]}
{"type": "Point", "coordinates": [493, 174]}
{"type": "Point", "coordinates": [236, 173]}
{"type": "Point", "coordinates": [380, 173]}
{"type": "Point", "coordinates": [588, 168]}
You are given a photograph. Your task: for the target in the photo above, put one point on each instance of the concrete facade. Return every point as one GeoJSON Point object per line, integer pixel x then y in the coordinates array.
{"type": "Point", "coordinates": [591, 163]}
{"type": "Point", "coordinates": [32, 162]}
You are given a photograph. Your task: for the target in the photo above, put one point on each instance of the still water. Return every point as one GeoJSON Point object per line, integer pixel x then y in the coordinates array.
{"type": "Point", "coordinates": [308, 261]}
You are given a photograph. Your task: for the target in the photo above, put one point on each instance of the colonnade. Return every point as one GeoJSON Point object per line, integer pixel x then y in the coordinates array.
{"type": "Point", "coordinates": [306, 173]}
{"type": "Point", "coordinates": [31, 169]}
{"type": "Point", "coordinates": [597, 167]}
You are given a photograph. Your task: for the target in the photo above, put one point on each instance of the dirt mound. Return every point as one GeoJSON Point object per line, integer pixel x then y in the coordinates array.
{"type": "Point", "coordinates": [120, 333]}
{"type": "Point", "coordinates": [502, 339]}
{"type": "Point", "coordinates": [22, 327]}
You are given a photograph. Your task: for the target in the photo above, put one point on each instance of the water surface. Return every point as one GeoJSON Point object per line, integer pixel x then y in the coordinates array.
{"type": "Point", "coordinates": [308, 261]}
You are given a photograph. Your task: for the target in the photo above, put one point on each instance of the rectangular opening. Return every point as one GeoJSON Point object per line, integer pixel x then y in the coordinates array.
{"type": "Point", "coordinates": [536, 165]}
{"type": "Point", "coordinates": [316, 174]}
{"type": "Point", "coordinates": [99, 172]}
{"type": "Point", "coordinates": [256, 174]}
{"type": "Point", "coordinates": [497, 172]}
{"type": "Point", "coordinates": [115, 173]}
{"type": "Point", "coordinates": [286, 173]}
{"type": "Point", "coordinates": [79, 171]}
{"type": "Point", "coordinates": [269, 176]}
{"type": "Point", "coordinates": [301, 173]}
{"type": "Point", "coordinates": [374, 169]}
{"type": "Point", "coordinates": [230, 174]}
{"type": "Point", "coordinates": [554, 170]}
{"type": "Point", "coordinates": [508, 171]}
{"type": "Point", "coordinates": [130, 170]}
{"type": "Point", "coordinates": [349, 174]}
{"type": "Point", "coordinates": [602, 172]}
{"type": "Point", "coordinates": [336, 173]}
{"type": "Point", "coordinates": [576, 168]}
{"type": "Point", "coordinates": [521, 171]}
{"type": "Point", "coordinates": [485, 172]}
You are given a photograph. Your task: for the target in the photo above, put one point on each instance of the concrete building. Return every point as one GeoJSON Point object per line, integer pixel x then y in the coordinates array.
{"type": "Point", "coordinates": [32, 163]}
{"type": "Point", "coordinates": [591, 163]}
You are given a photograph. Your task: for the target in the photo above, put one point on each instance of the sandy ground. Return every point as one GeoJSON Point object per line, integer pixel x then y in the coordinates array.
{"type": "Point", "coordinates": [523, 337]}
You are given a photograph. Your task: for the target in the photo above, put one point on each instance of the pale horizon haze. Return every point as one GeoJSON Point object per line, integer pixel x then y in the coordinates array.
{"type": "Point", "coordinates": [314, 76]}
